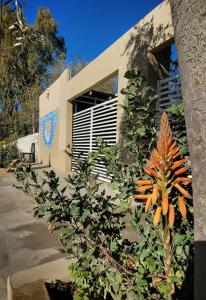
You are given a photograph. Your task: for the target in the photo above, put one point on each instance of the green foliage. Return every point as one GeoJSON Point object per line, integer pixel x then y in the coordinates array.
{"type": "Point", "coordinates": [8, 152]}
{"type": "Point", "coordinates": [177, 123]}
{"type": "Point", "coordinates": [17, 126]}
{"type": "Point", "coordinates": [138, 126]}
{"type": "Point", "coordinates": [16, 6]}
{"type": "Point", "coordinates": [90, 225]}
{"type": "Point", "coordinates": [97, 229]}
{"type": "Point", "coordinates": [25, 69]}
{"type": "Point", "coordinates": [93, 229]}
{"type": "Point", "coordinates": [123, 171]}
{"type": "Point", "coordinates": [124, 161]}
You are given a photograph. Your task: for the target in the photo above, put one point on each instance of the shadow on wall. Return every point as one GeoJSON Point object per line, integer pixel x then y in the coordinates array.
{"type": "Point", "coordinates": [149, 48]}
{"type": "Point", "coordinates": [143, 51]}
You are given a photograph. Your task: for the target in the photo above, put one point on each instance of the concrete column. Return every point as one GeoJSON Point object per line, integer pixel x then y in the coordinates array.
{"type": "Point", "coordinates": [122, 83]}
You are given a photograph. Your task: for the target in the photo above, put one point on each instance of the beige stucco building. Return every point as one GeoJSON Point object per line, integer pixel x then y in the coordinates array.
{"type": "Point", "coordinates": [147, 44]}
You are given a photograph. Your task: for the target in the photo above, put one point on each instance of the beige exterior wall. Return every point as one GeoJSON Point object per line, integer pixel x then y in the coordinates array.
{"type": "Point", "coordinates": [49, 101]}
{"type": "Point", "coordinates": [135, 47]}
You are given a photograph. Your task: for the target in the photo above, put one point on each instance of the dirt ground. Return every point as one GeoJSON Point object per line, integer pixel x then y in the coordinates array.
{"type": "Point", "coordinates": [3, 172]}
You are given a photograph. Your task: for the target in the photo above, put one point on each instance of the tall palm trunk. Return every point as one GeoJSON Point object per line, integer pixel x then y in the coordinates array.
{"type": "Point", "coordinates": [189, 21]}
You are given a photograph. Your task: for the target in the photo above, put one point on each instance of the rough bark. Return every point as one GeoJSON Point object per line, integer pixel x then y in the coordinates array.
{"type": "Point", "coordinates": [189, 21]}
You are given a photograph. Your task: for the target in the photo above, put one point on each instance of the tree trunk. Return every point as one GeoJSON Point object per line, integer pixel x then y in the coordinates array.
{"type": "Point", "coordinates": [189, 21]}
{"type": "Point", "coordinates": [33, 122]}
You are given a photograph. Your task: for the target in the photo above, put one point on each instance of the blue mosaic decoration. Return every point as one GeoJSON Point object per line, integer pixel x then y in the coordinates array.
{"type": "Point", "coordinates": [52, 118]}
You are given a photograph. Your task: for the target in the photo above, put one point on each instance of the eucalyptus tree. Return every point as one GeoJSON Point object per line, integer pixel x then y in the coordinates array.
{"type": "Point", "coordinates": [16, 5]}
{"type": "Point", "coordinates": [26, 62]}
{"type": "Point", "coordinates": [189, 21]}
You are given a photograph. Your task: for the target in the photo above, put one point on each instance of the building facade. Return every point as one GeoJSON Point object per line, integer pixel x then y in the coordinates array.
{"type": "Point", "coordinates": [147, 45]}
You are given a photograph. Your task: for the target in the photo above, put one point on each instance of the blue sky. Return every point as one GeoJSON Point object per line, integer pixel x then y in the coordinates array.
{"type": "Point", "coordinates": [90, 26]}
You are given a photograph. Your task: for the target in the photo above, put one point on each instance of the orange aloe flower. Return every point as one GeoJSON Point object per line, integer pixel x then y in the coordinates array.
{"type": "Point", "coordinates": [165, 170]}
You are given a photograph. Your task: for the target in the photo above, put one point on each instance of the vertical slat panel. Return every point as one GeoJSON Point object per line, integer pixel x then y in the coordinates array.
{"type": "Point", "coordinates": [169, 93]}
{"type": "Point", "coordinates": [91, 123]}
{"type": "Point", "coordinates": [91, 129]}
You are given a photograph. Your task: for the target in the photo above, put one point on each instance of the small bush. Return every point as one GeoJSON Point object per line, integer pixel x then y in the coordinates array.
{"type": "Point", "coordinates": [91, 227]}
{"type": "Point", "coordinates": [8, 152]}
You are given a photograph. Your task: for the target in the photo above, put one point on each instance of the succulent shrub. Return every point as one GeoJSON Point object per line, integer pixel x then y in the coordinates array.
{"type": "Point", "coordinates": [164, 194]}
{"type": "Point", "coordinates": [94, 227]}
